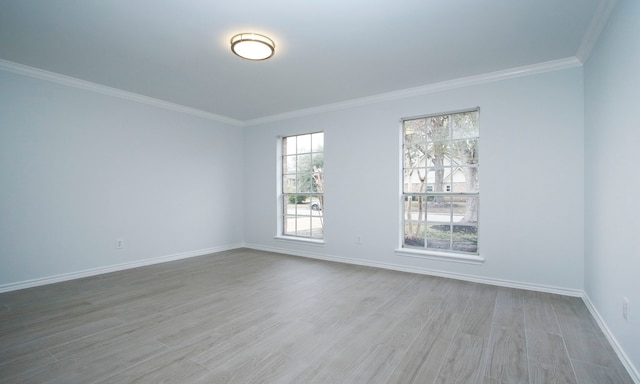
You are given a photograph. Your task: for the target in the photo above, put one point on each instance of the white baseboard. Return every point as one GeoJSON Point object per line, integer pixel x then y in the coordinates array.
{"type": "Point", "coordinates": [113, 268]}
{"type": "Point", "coordinates": [424, 271]}
{"type": "Point", "coordinates": [633, 371]}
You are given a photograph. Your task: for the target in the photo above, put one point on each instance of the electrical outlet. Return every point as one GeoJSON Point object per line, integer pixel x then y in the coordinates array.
{"type": "Point", "coordinates": [119, 243]}
{"type": "Point", "coordinates": [626, 308]}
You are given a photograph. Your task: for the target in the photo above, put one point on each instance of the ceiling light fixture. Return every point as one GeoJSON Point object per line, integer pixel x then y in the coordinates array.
{"type": "Point", "coordinates": [252, 46]}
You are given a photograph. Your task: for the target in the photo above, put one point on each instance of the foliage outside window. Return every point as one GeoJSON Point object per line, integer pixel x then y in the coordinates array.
{"type": "Point", "coordinates": [303, 185]}
{"type": "Point", "coordinates": [440, 183]}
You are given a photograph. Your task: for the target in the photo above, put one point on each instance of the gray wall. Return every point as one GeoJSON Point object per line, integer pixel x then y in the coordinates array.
{"type": "Point", "coordinates": [612, 136]}
{"type": "Point", "coordinates": [79, 169]}
{"type": "Point", "coordinates": [531, 180]}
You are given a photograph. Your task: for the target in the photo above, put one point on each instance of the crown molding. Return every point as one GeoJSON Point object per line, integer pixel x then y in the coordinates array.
{"type": "Point", "coordinates": [599, 21]}
{"type": "Point", "coordinates": [511, 73]}
{"type": "Point", "coordinates": [69, 81]}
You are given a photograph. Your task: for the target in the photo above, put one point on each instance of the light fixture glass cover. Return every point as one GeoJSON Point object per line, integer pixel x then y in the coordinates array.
{"type": "Point", "coordinates": [252, 46]}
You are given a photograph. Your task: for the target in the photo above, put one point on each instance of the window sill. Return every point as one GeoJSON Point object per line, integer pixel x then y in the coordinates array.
{"type": "Point", "coordinates": [440, 256]}
{"type": "Point", "coordinates": [300, 240]}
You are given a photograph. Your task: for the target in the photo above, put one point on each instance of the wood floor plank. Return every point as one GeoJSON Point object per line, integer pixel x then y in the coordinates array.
{"type": "Point", "coordinates": [416, 296]}
{"type": "Point", "coordinates": [584, 340]}
{"type": "Point", "coordinates": [338, 361]}
{"type": "Point", "coordinates": [172, 365]}
{"type": "Point", "coordinates": [30, 354]}
{"type": "Point", "coordinates": [28, 360]}
{"type": "Point", "coordinates": [119, 336]}
{"type": "Point", "coordinates": [595, 374]}
{"type": "Point", "coordinates": [97, 365]}
{"type": "Point", "coordinates": [256, 370]}
{"type": "Point", "coordinates": [235, 348]}
{"type": "Point", "coordinates": [549, 361]}
{"type": "Point", "coordinates": [507, 355]}
{"type": "Point", "coordinates": [376, 366]}
{"type": "Point", "coordinates": [510, 297]}
{"type": "Point", "coordinates": [490, 380]}
{"type": "Point", "coordinates": [421, 364]}
{"type": "Point", "coordinates": [539, 313]}
{"type": "Point", "coordinates": [463, 360]}
{"type": "Point", "coordinates": [425, 356]}
{"type": "Point", "coordinates": [250, 316]}
{"type": "Point", "coordinates": [479, 312]}
{"type": "Point", "coordinates": [404, 333]}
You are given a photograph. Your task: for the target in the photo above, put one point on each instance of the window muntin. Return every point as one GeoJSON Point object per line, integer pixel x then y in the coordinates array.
{"type": "Point", "coordinates": [440, 184]}
{"type": "Point", "coordinates": [303, 186]}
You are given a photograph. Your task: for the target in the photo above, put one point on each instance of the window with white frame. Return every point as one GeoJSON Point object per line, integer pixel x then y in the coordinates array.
{"type": "Point", "coordinates": [303, 186]}
{"type": "Point", "coordinates": [440, 184]}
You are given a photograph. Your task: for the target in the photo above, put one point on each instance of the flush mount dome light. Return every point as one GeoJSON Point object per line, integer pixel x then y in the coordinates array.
{"type": "Point", "coordinates": [252, 46]}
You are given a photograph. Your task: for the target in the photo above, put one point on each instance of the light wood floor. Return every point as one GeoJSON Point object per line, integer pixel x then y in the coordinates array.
{"type": "Point", "coordinates": [246, 316]}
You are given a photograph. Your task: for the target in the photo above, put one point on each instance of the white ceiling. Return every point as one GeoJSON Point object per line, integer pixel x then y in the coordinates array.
{"type": "Point", "coordinates": [327, 51]}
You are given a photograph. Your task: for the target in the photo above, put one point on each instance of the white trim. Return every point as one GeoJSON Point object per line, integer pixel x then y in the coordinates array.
{"type": "Point", "coordinates": [599, 21]}
{"type": "Point", "coordinates": [113, 268]}
{"type": "Point", "coordinates": [422, 271]}
{"type": "Point", "coordinates": [300, 240]}
{"type": "Point", "coordinates": [631, 369]}
{"type": "Point", "coordinates": [511, 73]}
{"type": "Point", "coordinates": [440, 256]}
{"type": "Point", "coordinates": [527, 70]}
{"type": "Point", "coordinates": [69, 81]}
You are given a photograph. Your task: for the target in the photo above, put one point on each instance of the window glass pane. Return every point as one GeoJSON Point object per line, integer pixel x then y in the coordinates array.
{"type": "Point", "coordinates": [464, 152]}
{"type": "Point", "coordinates": [303, 226]}
{"type": "Point", "coordinates": [414, 152]}
{"type": "Point", "coordinates": [430, 180]}
{"type": "Point", "coordinates": [436, 179]}
{"type": "Point", "coordinates": [289, 183]}
{"type": "Point", "coordinates": [303, 164]}
{"type": "Point", "coordinates": [288, 202]}
{"type": "Point", "coordinates": [317, 163]}
{"type": "Point", "coordinates": [289, 145]}
{"type": "Point", "coordinates": [305, 183]}
{"type": "Point", "coordinates": [465, 209]}
{"type": "Point", "coordinates": [438, 154]}
{"type": "Point", "coordinates": [415, 130]}
{"type": "Point", "coordinates": [414, 234]}
{"type": "Point", "coordinates": [439, 236]}
{"type": "Point", "coordinates": [438, 128]}
{"type": "Point", "coordinates": [304, 144]}
{"type": "Point", "coordinates": [318, 173]}
{"type": "Point", "coordinates": [465, 124]}
{"type": "Point", "coordinates": [317, 142]}
{"type": "Point", "coordinates": [411, 180]}
{"type": "Point", "coordinates": [415, 207]}
{"type": "Point", "coordinates": [316, 204]}
{"type": "Point", "coordinates": [464, 180]}
{"type": "Point", "coordinates": [289, 164]}
{"type": "Point", "coordinates": [472, 179]}
{"type": "Point", "coordinates": [289, 225]}
{"type": "Point", "coordinates": [439, 209]}
{"type": "Point", "coordinates": [465, 238]}
{"type": "Point", "coordinates": [316, 230]}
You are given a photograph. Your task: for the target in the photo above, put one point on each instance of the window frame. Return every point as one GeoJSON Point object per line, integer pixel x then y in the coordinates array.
{"type": "Point", "coordinates": [424, 251]}
{"type": "Point", "coordinates": [283, 193]}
